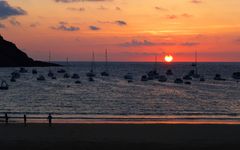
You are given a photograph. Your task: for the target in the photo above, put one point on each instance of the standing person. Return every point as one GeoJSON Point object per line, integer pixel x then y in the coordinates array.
{"type": "Point", "coordinates": [25, 119]}
{"type": "Point", "coordinates": [50, 120]}
{"type": "Point", "coordinates": [6, 118]}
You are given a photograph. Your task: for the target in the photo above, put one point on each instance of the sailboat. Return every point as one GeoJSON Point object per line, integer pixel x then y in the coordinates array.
{"type": "Point", "coordinates": [66, 75]}
{"type": "Point", "coordinates": [4, 85]}
{"type": "Point", "coordinates": [196, 75]}
{"type": "Point", "coordinates": [105, 73]}
{"type": "Point", "coordinates": [50, 73]}
{"type": "Point", "coordinates": [153, 74]}
{"type": "Point", "coordinates": [91, 73]}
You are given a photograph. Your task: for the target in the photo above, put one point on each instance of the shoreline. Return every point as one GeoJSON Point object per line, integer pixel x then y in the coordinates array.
{"type": "Point", "coordinates": [119, 136]}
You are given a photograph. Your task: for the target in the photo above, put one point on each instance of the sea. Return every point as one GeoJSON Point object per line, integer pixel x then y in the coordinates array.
{"type": "Point", "coordinates": [114, 100]}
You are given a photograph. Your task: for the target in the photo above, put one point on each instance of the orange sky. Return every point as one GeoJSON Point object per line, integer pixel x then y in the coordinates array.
{"type": "Point", "coordinates": [131, 30]}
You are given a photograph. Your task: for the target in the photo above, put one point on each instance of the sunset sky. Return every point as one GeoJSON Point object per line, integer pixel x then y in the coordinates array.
{"type": "Point", "coordinates": [131, 30]}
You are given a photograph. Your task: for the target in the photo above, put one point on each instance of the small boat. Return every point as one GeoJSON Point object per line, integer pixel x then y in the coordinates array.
{"type": "Point", "coordinates": [187, 77]}
{"type": "Point", "coordinates": [34, 71]}
{"type": "Point", "coordinates": [178, 81]}
{"type": "Point", "coordinates": [188, 83]}
{"type": "Point", "coordinates": [191, 73]}
{"type": "Point", "coordinates": [54, 77]}
{"type": "Point", "coordinates": [105, 73]}
{"type": "Point", "coordinates": [169, 72]}
{"type": "Point", "coordinates": [236, 75]}
{"type": "Point", "coordinates": [66, 75]}
{"type": "Point", "coordinates": [50, 73]}
{"type": "Point", "coordinates": [202, 79]}
{"type": "Point", "coordinates": [15, 74]}
{"type": "Point", "coordinates": [153, 75]}
{"type": "Point", "coordinates": [128, 76]}
{"type": "Point", "coordinates": [218, 77]}
{"type": "Point", "coordinates": [4, 85]}
{"type": "Point", "coordinates": [162, 78]}
{"type": "Point", "coordinates": [23, 70]}
{"type": "Point", "coordinates": [61, 71]}
{"type": "Point", "coordinates": [144, 78]}
{"type": "Point", "coordinates": [130, 80]}
{"type": "Point", "coordinates": [78, 82]}
{"type": "Point", "coordinates": [41, 78]}
{"type": "Point", "coordinates": [91, 79]}
{"type": "Point", "coordinates": [91, 74]}
{"type": "Point", "coordinates": [75, 76]}
{"type": "Point", "coordinates": [13, 79]}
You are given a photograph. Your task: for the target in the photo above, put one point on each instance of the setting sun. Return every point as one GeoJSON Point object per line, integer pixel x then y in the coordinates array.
{"type": "Point", "coordinates": [168, 58]}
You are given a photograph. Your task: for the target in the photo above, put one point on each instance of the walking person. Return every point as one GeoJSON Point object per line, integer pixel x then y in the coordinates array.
{"type": "Point", "coordinates": [6, 118]}
{"type": "Point", "coordinates": [25, 119]}
{"type": "Point", "coordinates": [50, 120]}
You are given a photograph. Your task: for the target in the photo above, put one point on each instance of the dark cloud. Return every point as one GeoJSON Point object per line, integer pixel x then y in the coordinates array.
{"type": "Point", "coordinates": [65, 27]}
{"type": "Point", "coordinates": [160, 8]}
{"type": "Point", "coordinates": [184, 15]}
{"type": "Point", "coordinates": [117, 22]}
{"type": "Point", "coordinates": [189, 44]}
{"type": "Point", "coordinates": [137, 43]}
{"type": "Point", "coordinates": [142, 53]}
{"type": "Point", "coordinates": [196, 1]}
{"type": "Point", "coordinates": [14, 22]}
{"type": "Point", "coordinates": [94, 28]}
{"type": "Point", "coordinates": [77, 9]}
{"type": "Point", "coordinates": [2, 26]}
{"type": "Point", "coordinates": [121, 23]}
{"type": "Point", "coordinates": [72, 1]}
{"type": "Point", "coordinates": [7, 11]}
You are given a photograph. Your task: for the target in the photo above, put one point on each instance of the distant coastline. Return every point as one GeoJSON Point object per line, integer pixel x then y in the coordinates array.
{"type": "Point", "coordinates": [11, 56]}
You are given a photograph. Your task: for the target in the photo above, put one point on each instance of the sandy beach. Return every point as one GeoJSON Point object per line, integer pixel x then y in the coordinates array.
{"type": "Point", "coordinates": [119, 136]}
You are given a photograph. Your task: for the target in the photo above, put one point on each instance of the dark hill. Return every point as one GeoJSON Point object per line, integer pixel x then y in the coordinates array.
{"type": "Point", "coordinates": [11, 56]}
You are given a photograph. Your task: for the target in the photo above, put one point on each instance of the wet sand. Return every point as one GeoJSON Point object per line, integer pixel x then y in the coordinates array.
{"type": "Point", "coordinates": [119, 136]}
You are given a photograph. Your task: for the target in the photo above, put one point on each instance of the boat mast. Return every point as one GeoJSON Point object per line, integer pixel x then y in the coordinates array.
{"type": "Point", "coordinates": [93, 60]}
{"type": "Point", "coordinates": [196, 62]}
{"type": "Point", "coordinates": [155, 66]}
{"type": "Point", "coordinates": [106, 60]}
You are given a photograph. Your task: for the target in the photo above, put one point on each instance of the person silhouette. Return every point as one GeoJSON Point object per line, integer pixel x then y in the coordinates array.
{"type": "Point", "coordinates": [50, 120]}
{"type": "Point", "coordinates": [6, 118]}
{"type": "Point", "coordinates": [25, 119]}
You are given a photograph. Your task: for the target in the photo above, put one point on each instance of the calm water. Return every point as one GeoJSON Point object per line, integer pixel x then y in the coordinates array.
{"type": "Point", "coordinates": [114, 98]}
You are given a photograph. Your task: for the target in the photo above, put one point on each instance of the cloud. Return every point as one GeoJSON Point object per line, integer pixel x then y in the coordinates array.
{"type": "Point", "coordinates": [171, 17]}
{"type": "Point", "coordinates": [72, 1]}
{"type": "Point", "coordinates": [118, 8]}
{"type": "Point", "coordinates": [196, 1]}
{"type": "Point", "coordinates": [64, 27]}
{"type": "Point", "coordinates": [102, 8]}
{"type": "Point", "coordinates": [77, 9]}
{"type": "Point", "coordinates": [94, 28]}
{"type": "Point", "coordinates": [186, 15]}
{"type": "Point", "coordinates": [137, 43]}
{"type": "Point", "coordinates": [189, 44]}
{"type": "Point", "coordinates": [14, 22]}
{"type": "Point", "coordinates": [160, 8]}
{"type": "Point", "coordinates": [121, 23]}
{"type": "Point", "coordinates": [7, 11]}
{"type": "Point", "coordinates": [33, 25]}
{"type": "Point", "coordinates": [2, 26]}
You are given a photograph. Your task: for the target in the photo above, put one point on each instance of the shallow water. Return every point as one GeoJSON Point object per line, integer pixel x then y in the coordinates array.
{"type": "Point", "coordinates": [115, 98]}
